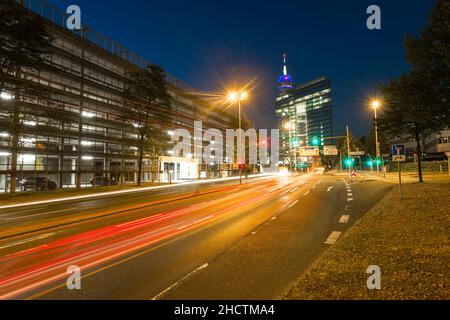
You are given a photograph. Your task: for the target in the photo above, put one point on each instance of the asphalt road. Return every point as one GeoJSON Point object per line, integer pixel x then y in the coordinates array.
{"type": "Point", "coordinates": [218, 241]}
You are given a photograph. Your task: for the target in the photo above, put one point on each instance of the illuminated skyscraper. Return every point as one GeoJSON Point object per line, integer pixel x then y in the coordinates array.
{"type": "Point", "coordinates": [285, 79]}
{"type": "Point", "coordinates": [306, 109]}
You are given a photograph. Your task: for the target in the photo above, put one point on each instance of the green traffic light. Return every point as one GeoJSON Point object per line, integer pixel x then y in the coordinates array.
{"type": "Point", "coordinates": [315, 141]}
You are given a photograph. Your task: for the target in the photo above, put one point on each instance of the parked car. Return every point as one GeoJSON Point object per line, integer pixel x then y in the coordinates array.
{"type": "Point", "coordinates": [37, 183]}
{"type": "Point", "coordinates": [102, 181]}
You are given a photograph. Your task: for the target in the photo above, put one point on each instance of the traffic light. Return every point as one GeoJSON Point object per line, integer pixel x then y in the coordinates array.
{"type": "Point", "coordinates": [294, 142]}
{"type": "Point", "coordinates": [315, 141]}
{"type": "Point", "coordinates": [349, 161]}
{"type": "Point", "coordinates": [378, 161]}
{"type": "Point", "coordinates": [370, 163]}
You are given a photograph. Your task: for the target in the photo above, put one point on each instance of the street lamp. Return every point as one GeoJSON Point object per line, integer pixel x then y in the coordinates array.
{"type": "Point", "coordinates": [375, 105]}
{"type": "Point", "coordinates": [233, 97]}
{"type": "Point", "coordinates": [238, 96]}
{"type": "Point", "coordinates": [288, 126]}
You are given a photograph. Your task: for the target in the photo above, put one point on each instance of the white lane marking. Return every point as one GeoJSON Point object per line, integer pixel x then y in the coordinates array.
{"type": "Point", "coordinates": [334, 236]}
{"type": "Point", "coordinates": [39, 214]}
{"type": "Point", "coordinates": [253, 233]}
{"type": "Point", "coordinates": [273, 218]}
{"type": "Point", "coordinates": [179, 281]}
{"type": "Point", "coordinates": [314, 187]}
{"type": "Point", "coordinates": [349, 199]}
{"type": "Point", "coordinates": [293, 190]}
{"type": "Point", "coordinates": [293, 203]}
{"type": "Point", "coordinates": [329, 189]}
{"type": "Point", "coordinates": [307, 193]}
{"type": "Point", "coordinates": [16, 243]}
{"type": "Point", "coordinates": [344, 218]}
{"type": "Point", "coordinates": [350, 195]}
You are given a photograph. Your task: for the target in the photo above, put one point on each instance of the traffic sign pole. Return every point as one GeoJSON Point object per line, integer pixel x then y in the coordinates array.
{"type": "Point", "coordinates": [448, 157]}
{"type": "Point", "coordinates": [400, 180]}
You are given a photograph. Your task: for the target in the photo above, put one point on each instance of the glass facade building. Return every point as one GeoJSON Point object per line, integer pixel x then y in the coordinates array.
{"type": "Point", "coordinates": [304, 115]}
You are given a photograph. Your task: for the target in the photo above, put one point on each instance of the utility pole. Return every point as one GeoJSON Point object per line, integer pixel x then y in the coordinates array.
{"type": "Point", "coordinates": [348, 149]}
{"type": "Point", "coordinates": [377, 144]}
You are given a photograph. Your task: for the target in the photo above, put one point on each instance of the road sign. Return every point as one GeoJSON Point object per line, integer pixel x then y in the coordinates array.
{"type": "Point", "coordinates": [357, 153]}
{"type": "Point", "coordinates": [398, 153]}
{"type": "Point", "coordinates": [309, 151]}
{"type": "Point", "coordinates": [330, 151]}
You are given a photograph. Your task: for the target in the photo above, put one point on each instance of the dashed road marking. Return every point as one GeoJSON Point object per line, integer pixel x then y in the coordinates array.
{"type": "Point", "coordinates": [307, 193]}
{"type": "Point", "coordinates": [329, 189]}
{"type": "Point", "coordinates": [334, 236]}
{"type": "Point", "coordinates": [293, 203]}
{"type": "Point", "coordinates": [349, 199]}
{"type": "Point", "coordinates": [179, 281]}
{"type": "Point", "coordinates": [293, 190]}
{"type": "Point", "coordinates": [344, 218]}
{"type": "Point", "coordinates": [273, 218]}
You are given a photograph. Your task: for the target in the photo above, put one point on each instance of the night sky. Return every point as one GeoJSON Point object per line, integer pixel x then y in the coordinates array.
{"type": "Point", "coordinates": [208, 44]}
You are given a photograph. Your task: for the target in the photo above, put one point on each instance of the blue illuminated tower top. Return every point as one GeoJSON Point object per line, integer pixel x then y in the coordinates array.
{"type": "Point", "coordinates": [285, 79]}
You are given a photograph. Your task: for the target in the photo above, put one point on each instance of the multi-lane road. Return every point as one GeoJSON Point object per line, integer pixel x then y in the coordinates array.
{"type": "Point", "coordinates": [220, 240]}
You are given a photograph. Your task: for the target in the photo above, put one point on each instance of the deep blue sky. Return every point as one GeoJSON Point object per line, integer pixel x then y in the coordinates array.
{"type": "Point", "coordinates": [205, 43]}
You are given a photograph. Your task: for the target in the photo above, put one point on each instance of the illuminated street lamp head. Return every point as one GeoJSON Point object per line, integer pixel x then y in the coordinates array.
{"type": "Point", "coordinates": [232, 96]}
{"type": "Point", "coordinates": [243, 95]}
{"type": "Point", "coordinates": [237, 96]}
{"type": "Point", "coordinates": [376, 104]}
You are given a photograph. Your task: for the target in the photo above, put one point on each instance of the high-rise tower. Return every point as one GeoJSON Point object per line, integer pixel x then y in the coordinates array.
{"type": "Point", "coordinates": [285, 79]}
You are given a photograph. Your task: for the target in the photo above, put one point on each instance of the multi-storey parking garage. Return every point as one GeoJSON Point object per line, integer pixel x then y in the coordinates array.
{"type": "Point", "coordinates": [82, 133]}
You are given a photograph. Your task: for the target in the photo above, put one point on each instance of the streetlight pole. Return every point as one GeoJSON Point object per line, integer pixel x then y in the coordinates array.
{"type": "Point", "coordinates": [240, 119]}
{"type": "Point", "coordinates": [290, 147]}
{"type": "Point", "coordinates": [232, 97]}
{"type": "Point", "coordinates": [375, 106]}
{"type": "Point", "coordinates": [348, 149]}
{"type": "Point", "coordinates": [240, 137]}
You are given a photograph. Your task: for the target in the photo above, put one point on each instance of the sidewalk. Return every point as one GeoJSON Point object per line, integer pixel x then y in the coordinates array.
{"type": "Point", "coordinates": [407, 239]}
{"type": "Point", "coordinates": [392, 177]}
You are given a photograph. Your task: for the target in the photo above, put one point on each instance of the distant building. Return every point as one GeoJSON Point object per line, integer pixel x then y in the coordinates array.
{"type": "Point", "coordinates": [435, 143]}
{"type": "Point", "coordinates": [304, 113]}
